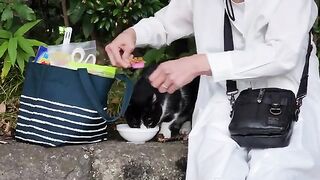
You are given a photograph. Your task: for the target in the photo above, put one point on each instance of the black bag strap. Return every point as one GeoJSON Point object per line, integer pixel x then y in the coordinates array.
{"type": "Point", "coordinates": [228, 46]}
{"type": "Point", "coordinates": [302, 92]}
{"type": "Point", "coordinates": [232, 85]}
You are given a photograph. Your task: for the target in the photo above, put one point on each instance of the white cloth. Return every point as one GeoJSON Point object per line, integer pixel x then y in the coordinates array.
{"type": "Point", "coordinates": [271, 43]}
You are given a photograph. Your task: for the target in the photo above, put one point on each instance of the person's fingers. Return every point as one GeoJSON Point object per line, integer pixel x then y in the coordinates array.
{"type": "Point", "coordinates": [158, 82]}
{"type": "Point", "coordinates": [155, 74]}
{"type": "Point", "coordinates": [127, 53]}
{"type": "Point", "coordinates": [116, 54]}
{"type": "Point", "coordinates": [110, 54]}
{"type": "Point", "coordinates": [157, 78]}
{"type": "Point", "coordinates": [175, 85]}
{"type": "Point", "coordinates": [165, 86]}
{"type": "Point", "coordinates": [131, 57]}
{"type": "Point", "coordinates": [126, 56]}
{"type": "Point", "coordinates": [172, 89]}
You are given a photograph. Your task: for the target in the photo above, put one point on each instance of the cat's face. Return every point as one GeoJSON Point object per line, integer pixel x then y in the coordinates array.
{"type": "Point", "coordinates": [143, 109]}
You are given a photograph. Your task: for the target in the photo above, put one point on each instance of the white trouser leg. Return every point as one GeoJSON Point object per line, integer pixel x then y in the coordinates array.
{"type": "Point", "coordinates": [300, 160]}
{"type": "Point", "coordinates": [212, 154]}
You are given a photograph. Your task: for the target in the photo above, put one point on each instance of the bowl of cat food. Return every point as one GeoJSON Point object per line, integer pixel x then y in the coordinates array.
{"type": "Point", "coordinates": [136, 135]}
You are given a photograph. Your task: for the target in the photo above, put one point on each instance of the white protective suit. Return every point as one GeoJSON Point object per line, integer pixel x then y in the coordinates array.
{"type": "Point", "coordinates": [271, 38]}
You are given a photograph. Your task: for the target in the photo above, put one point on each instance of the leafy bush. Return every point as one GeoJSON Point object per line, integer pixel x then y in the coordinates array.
{"type": "Point", "coordinates": [109, 18]}
{"type": "Point", "coordinates": [15, 48]}
{"type": "Point", "coordinates": [13, 13]}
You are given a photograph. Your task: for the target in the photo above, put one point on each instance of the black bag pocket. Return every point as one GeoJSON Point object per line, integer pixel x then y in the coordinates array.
{"type": "Point", "coordinates": [262, 118]}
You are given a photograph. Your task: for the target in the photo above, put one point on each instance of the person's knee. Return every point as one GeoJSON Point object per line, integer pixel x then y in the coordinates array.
{"type": "Point", "coordinates": [283, 163]}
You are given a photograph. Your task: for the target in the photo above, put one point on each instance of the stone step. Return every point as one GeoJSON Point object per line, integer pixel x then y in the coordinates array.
{"type": "Point", "coordinates": [109, 160]}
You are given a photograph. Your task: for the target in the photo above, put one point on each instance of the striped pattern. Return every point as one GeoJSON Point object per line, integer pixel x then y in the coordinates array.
{"type": "Point", "coordinates": [52, 123]}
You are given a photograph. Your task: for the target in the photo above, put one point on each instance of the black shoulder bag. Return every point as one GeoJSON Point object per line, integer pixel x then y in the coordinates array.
{"type": "Point", "coordinates": [263, 118]}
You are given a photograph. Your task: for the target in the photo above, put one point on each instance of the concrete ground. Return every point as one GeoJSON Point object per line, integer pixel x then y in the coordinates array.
{"type": "Point", "coordinates": [109, 160]}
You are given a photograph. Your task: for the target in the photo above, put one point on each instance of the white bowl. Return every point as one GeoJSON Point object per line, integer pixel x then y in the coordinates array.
{"type": "Point", "coordinates": [136, 135]}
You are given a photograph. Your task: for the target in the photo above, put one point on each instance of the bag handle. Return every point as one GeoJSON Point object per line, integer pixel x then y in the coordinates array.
{"type": "Point", "coordinates": [91, 93]}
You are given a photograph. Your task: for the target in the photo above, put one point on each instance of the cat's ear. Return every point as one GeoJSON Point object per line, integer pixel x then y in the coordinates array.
{"type": "Point", "coordinates": [154, 98]}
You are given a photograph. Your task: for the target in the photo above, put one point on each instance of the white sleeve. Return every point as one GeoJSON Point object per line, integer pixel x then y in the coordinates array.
{"type": "Point", "coordinates": [285, 40]}
{"type": "Point", "coordinates": [168, 24]}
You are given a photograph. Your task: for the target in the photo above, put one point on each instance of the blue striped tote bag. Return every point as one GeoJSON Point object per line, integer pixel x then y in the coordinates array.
{"type": "Point", "coordinates": [60, 106]}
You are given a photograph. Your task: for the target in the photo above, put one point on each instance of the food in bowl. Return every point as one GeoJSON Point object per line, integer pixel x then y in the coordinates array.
{"type": "Point", "coordinates": [136, 135]}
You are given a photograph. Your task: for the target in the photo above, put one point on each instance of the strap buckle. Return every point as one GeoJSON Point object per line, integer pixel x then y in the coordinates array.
{"type": "Point", "coordinates": [298, 104]}
{"type": "Point", "coordinates": [232, 98]}
{"type": "Point", "coordinates": [299, 101]}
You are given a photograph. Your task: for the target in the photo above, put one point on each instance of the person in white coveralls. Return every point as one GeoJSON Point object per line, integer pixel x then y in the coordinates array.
{"type": "Point", "coordinates": [271, 40]}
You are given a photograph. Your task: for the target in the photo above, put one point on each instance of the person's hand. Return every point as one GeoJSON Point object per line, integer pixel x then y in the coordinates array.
{"type": "Point", "coordinates": [174, 74]}
{"type": "Point", "coordinates": [121, 48]}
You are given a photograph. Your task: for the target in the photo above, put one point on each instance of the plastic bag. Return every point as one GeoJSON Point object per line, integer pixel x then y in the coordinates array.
{"type": "Point", "coordinates": [62, 55]}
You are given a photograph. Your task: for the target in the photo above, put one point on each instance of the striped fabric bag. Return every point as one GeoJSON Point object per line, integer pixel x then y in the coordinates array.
{"type": "Point", "coordinates": [59, 106]}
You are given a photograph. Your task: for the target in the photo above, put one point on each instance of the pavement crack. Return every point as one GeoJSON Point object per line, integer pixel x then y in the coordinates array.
{"type": "Point", "coordinates": [69, 173]}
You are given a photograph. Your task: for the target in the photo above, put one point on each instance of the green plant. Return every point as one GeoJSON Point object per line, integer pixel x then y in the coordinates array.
{"type": "Point", "coordinates": [110, 17]}
{"type": "Point", "coordinates": [13, 12]}
{"type": "Point", "coordinates": [16, 49]}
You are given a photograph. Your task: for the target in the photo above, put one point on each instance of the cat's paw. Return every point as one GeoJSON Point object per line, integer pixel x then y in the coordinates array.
{"type": "Point", "coordinates": [162, 139]}
{"type": "Point", "coordinates": [165, 130]}
{"type": "Point", "coordinates": [185, 128]}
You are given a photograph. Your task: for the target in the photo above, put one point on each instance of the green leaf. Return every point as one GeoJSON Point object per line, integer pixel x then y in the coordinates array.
{"type": "Point", "coordinates": [25, 28]}
{"type": "Point", "coordinates": [23, 55]}
{"type": "Point", "coordinates": [34, 42]}
{"type": "Point", "coordinates": [59, 40]}
{"type": "Point", "coordinates": [107, 26]}
{"type": "Point", "coordinates": [5, 34]}
{"type": "Point", "coordinates": [12, 50]}
{"type": "Point", "coordinates": [7, 14]}
{"type": "Point", "coordinates": [90, 4]}
{"type": "Point", "coordinates": [21, 61]}
{"type": "Point", "coordinates": [24, 45]}
{"type": "Point", "coordinates": [90, 11]}
{"type": "Point", "coordinates": [101, 24]}
{"type": "Point", "coordinates": [2, 6]}
{"type": "Point", "coordinates": [100, 8]}
{"type": "Point", "coordinates": [95, 19]}
{"type": "Point", "coordinates": [8, 24]}
{"type": "Point", "coordinates": [139, 5]}
{"type": "Point", "coordinates": [116, 12]}
{"type": "Point", "coordinates": [117, 2]}
{"type": "Point", "coordinates": [24, 12]}
{"type": "Point", "coordinates": [87, 27]}
{"type": "Point", "coordinates": [3, 48]}
{"type": "Point", "coordinates": [6, 68]}
{"type": "Point", "coordinates": [154, 55]}
{"type": "Point", "coordinates": [126, 9]}
{"type": "Point", "coordinates": [77, 13]}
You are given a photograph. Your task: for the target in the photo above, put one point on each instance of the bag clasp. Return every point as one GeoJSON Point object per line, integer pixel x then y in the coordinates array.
{"type": "Point", "coordinates": [232, 98]}
{"type": "Point", "coordinates": [275, 109]}
{"type": "Point", "coordinates": [260, 96]}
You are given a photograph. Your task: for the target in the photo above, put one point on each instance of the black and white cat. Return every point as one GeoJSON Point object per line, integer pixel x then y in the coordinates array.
{"type": "Point", "coordinates": [173, 112]}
